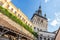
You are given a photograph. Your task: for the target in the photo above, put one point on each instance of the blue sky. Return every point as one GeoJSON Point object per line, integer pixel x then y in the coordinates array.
{"type": "Point", "coordinates": [50, 7]}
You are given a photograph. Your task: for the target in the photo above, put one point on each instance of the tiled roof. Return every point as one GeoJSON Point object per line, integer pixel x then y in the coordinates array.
{"type": "Point", "coordinates": [38, 15]}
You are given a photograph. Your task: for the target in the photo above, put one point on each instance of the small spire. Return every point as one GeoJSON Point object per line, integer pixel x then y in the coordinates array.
{"type": "Point", "coordinates": [39, 7]}
{"type": "Point", "coordinates": [45, 15]}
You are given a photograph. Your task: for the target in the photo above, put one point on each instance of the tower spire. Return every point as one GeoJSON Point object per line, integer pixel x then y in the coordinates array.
{"type": "Point", "coordinates": [40, 11]}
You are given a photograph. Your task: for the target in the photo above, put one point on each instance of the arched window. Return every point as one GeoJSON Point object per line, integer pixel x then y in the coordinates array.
{"type": "Point", "coordinates": [15, 12]}
{"type": "Point", "coordinates": [41, 21]}
{"type": "Point", "coordinates": [11, 9]}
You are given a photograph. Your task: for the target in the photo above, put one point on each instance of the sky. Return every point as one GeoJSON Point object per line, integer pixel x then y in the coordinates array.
{"type": "Point", "coordinates": [50, 7]}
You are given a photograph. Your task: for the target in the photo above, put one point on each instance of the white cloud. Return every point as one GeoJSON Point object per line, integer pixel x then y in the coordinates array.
{"type": "Point", "coordinates": [49, 19]}
{"type": "Point", "coordinates": [56, 20]}
{"type": "Point", "coordinates": [57, 16]}
{"type": "Point", "coordinates": [46, 1]}
{"type": "Point", "coordinates": [54, 23]}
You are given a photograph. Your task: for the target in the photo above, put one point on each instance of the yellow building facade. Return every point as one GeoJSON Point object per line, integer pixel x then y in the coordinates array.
{"type": "Point", "coordinates": [17, 12]}
{"type": "Point", "coordinates": [8, 5]}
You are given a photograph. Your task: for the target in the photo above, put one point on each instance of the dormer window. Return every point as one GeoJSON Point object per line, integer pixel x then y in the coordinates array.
{"type": "Point", "coordinates": [11, 9]}
{"type": "Point", "coordinates": [15, 12]}
{"type": "Point", "coordinates": [1, 3]}
{"type": "Point", "coordinates": [20, 16]}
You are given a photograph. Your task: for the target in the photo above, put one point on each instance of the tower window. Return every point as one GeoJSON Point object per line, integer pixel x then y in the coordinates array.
{"type": "Point", "coordinates": [41, 21]}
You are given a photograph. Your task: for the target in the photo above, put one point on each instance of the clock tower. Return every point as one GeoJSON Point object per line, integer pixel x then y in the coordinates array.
{"type": "Point", "coordinates": [40, 22]}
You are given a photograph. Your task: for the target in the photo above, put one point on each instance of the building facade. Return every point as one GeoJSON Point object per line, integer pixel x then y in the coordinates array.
{"type": "Point", "coordinates": [40, 26]}
{"type": "Point", "coordinates": [38, 23]}
{"type": "Point", "coordinates": [44, 35]}
{"type": "Point", "coordinates": [16, 11]}
{"type": "Point", "coordinates": [11, 29]}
